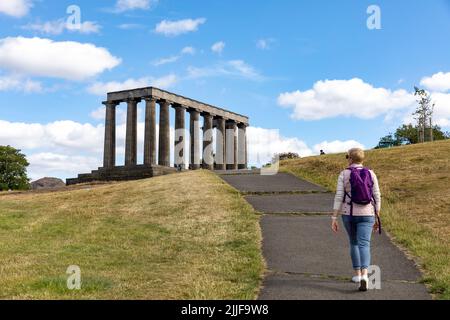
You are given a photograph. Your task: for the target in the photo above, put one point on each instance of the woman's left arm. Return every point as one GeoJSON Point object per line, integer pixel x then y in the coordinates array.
{"type": "Point", "coordinates": [338, 199]}
{"type": "Point", "coordinates": [376, 192]}
{"type": "Point", "coordinates": [340, 192]}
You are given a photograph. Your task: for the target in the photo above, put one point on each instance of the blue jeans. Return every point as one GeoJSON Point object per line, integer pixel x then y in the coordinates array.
{"type": "Point", "coordinates": [359, 232]}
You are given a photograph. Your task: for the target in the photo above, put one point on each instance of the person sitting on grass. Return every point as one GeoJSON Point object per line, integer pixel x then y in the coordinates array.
{"type": "Point", "coordinates": [358, 198]}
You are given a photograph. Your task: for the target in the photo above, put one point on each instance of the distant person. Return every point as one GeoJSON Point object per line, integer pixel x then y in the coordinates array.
{"type": "Point", "coordinates": [358, 199]}
{"type": "Point", "coordinates": [322, 152]}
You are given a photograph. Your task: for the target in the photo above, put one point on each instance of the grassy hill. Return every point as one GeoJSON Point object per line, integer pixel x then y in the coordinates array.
{"type": "Point", "coordinates": [415, 184]}
{"type": "Point", "coordinates": [183, 236]}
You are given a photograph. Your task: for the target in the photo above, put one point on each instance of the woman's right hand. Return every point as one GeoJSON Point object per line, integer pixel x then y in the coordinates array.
{"type": "Point", "coordinates": [376, 226]}
{"type": "Point", "coordinates": [334, 225]}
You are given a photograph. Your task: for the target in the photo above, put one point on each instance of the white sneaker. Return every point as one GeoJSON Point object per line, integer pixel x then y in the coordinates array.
{"type": "Point", "coordinates": [363, 285]}
{"type": "Point", "coordinates": [356, 279]}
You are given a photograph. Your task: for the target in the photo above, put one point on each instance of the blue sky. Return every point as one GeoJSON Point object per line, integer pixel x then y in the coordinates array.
{"type": "Point", "coordinates": [311, 69]}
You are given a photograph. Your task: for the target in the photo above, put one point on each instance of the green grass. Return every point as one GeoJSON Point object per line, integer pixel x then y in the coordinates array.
{"type": "Point", "coordinates": [415, 184]}
{"type": "Point", "coordinates": [182, 236]}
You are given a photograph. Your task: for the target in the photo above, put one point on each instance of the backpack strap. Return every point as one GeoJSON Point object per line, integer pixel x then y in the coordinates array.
{"type": "Point", "coordinates": [346, 194]}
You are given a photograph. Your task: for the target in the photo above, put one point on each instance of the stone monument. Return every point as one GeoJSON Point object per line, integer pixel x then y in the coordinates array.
{"type": "Point", "coordinates": [230, 138]}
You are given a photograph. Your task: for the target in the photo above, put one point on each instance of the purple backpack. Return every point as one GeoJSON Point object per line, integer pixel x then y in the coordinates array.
{"type": "Point", "coordinates": [362, 186]}
{"type": "Point", "coordinates": [361, 190]}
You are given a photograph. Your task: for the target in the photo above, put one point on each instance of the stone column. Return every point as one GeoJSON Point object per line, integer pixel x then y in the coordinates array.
{"type": "Point", "coordinates": [109, 151]}
{"type": "Point", "coordinates": [220, 144]}
{"type": "Point", "coordinates": [150, 132]}
{"type": "Point", "coordinates": [180, 136]}
{"type": "Point", "coordinates": [242, 146]}
{"type": "Point", "coordinates": [164, 133]}
{"type": "Point", "coordinates": [131, 133]}
{"type": "Point", "coordinates": [231, 145]}
{"type": "Point", "coordinates": [208, 159]}
{"type": "Point", "coordinates": [195, 141]}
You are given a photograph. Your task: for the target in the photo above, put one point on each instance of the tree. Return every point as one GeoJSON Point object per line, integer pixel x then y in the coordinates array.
{"type": "Point", "coordinates": [438, 134]}
{"type": "Point", "coordinates": [423, 114]}
{"type": "Point", "coordinates": [287, 156]}
{"type": "Point", "coordinates": [388, 141]}
{"type": "Point", "coordinates": [13, 169]}
{"type": "Point", "coordinates": [407, 133]}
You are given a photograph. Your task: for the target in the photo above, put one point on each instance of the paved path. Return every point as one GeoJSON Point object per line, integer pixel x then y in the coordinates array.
{"type": "Point", "coordinates": [305, 260]}
{"type": "Point", "coordinates": [282, 182]}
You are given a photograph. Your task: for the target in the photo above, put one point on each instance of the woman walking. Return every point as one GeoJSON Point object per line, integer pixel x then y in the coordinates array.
{"type": "Point", "coordinates": [358, 199]}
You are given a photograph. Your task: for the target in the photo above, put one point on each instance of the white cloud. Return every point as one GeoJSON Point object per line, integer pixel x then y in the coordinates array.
{"type": "Point", "coordinates": [264, 44]}
{"type": "Point", "coordinates": [57, 27]}
{"type": "Point", "coordinates": [15, 8]}
{"type": "Point", "coordinates": [165, 82]}
{"type": "Point", "coordinates": [175, 58]}
{"type": "Point", "coordinates": [188, 50]}
{"type": "Point", "coordinates": [87, 27]}
{"type": "Point", "coordinates": [437, 82]}
{"type": "Point", "coordinates": [101, 88]}
{"type": "Point", "coordinates": [44, 57]}
{"type": "Point", "coordinates": [121, 114]}
{"type": "Point", "coordinates": [218, 47]}
{"type": "Point", "coordinates": [264, 143]}
{"type": "Point", "coordinates": [58, 135]}
{"type": "Point", "coordinates": [235, 68]}
{"type": "Point", "coordinates": [441, 115]}
{"type": "Point", "coordinates": [175, 28]}
{"type": "Point", "coordinates": [333, 98]}
{"type": "Point", "coordinates": [244, 69]}
{"type": "Point", "coordinates": [98, 114]}
{"type": "Point", "coordinates": [63, 148]}
{"type": "Point", "coordinates": [48, 164]}
{"type": "Point", "coordinates": [337, 146]}
{"type": "Point", "coordinates": [14, 83]}
{"type": "Point", "coordinates": [130, 26]}
{"type": "Point", "coordinates": [50, 27]}
{"type": "Point", "coordinates": [126, 5]}
{"type": "Point", "coordinates": [167, 60]}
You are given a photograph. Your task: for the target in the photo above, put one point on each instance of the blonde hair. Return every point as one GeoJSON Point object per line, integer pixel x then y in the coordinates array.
{"type": "Point", "coordinates": [357, 155]}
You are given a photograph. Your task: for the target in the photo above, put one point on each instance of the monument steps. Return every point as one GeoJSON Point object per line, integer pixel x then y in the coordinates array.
{"type": "Point", "coordinates": [122, 173]}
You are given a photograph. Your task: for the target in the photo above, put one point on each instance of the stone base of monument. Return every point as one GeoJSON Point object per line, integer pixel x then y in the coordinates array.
{"type": "Point", "coordinates": [121, 173]}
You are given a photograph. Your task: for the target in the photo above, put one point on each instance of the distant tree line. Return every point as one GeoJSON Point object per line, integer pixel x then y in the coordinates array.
{"type": "Point", "coordinates": [409, 134]}
{"type": "Point", "coordinates": [284, 156]}
{"type": "Point", "coordinates": [288, 156]}
{"type": "Point", "coordinates": [422, 131]}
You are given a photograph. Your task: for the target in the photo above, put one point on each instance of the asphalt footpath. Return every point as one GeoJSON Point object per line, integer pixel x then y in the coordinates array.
{"type": "Point", "coordinates": [305, 259]}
